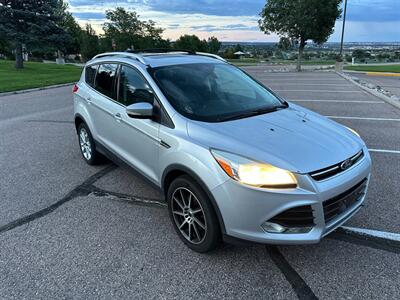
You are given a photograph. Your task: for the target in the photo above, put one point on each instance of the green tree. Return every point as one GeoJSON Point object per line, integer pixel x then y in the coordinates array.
{"type": "Point", "coordinates": [238, 48]}
{"type": "Point", "coordinates": [29, 22]}
{"type": "Point", "coordinates": [89, 43]}
{"type": "Point", "coordinates": [300, 20]}
{"type": "Point", "coordinates": [285, 43]}
{"type": "Point", "coordinates": [73, 34]}
{"type": "Point", "coordinates": [192, 43]}
{"type": "Point", "coordinates": [213, 45]}
{"type": "Point", "coordinates": [125, 30]}
{"type": "Point", "coordinates": [359, 53]}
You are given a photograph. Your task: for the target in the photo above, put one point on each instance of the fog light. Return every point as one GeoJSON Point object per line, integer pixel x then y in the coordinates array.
{"type": "Point", "coordinates": [298, 230]}
{"type": "Point", "coordinates": [273, 227]}
{"type": "Point", "coordinates": [277, 228]}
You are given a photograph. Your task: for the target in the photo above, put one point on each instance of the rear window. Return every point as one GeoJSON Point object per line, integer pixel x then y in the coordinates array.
{"type": "Point", "coordinates": [105, 79]}
{"type": "Point", "coordinates": [90, 74]}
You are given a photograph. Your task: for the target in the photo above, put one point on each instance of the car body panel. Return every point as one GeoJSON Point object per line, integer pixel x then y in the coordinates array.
{"type": "Point", "coordinates": [290, 139]}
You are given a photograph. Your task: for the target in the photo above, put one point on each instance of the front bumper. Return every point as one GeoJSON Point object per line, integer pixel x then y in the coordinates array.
{"type": "Point", "coordinates": [244, 209]}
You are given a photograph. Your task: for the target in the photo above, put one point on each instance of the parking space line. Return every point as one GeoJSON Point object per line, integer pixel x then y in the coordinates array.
{"type": "Point", "coordinates": [362, 118]}
{"type": "Point", "coordinates": [319, 91]}
{"type": "Point", "coordinates": [375, 239]}
{"type": "Point", "coordinates": [384, 151]}
{"type": "Point", "coordinates": [375, 233]}
{"type": "Point", "coordinates": [312, 84]}
{"type": "Point", "coordinates": [339, 101]}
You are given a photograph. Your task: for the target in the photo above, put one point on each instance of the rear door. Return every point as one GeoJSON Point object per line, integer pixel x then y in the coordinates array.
{"type": "Point", "coordinates": [104, 107]}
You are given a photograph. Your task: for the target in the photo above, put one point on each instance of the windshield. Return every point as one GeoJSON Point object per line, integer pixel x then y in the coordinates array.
{"type": "Point", "coordinates": [214, 92]}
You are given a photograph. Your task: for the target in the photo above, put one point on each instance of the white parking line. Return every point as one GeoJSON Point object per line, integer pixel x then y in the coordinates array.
{"type": "Point", "coordinates": [362, 118]}
{"type": "Point", "coordinates": [296, 79]}
{"type": "Point", "coordinates": [374, 233]}
{"type": "Point", "coordinates": [339, 101]}
{"type": "Point", "coordinates": [312, 84]}
{"type": "Point", "coordinates": [319, 91]}
{"type": "Point", "coordinates": [384, 151]}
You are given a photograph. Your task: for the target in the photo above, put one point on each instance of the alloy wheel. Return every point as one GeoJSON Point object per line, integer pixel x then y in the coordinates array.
{"type": "Point", "coordinates": [188, 215]}
{"type": "Point", "coordinates": [86, 146]}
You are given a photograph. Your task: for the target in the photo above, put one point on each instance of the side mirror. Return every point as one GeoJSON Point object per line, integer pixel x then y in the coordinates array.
{"type": "Point", "coordinates": [140, 110]}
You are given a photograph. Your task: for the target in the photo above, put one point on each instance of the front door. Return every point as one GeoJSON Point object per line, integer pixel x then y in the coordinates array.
{"type": "Point", "coordinates": [137, 138]}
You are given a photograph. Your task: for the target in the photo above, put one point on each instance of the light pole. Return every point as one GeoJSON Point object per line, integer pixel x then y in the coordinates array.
{"type": "Point", "coordinates": [344, 23]}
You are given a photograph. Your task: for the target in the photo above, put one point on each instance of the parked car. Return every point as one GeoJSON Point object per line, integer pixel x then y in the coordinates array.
{"type": "Point", "coordinates": [234, 160]}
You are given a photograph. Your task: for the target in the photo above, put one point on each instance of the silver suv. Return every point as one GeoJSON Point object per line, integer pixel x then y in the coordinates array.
{"type": "Point", "coordinates": [234, 161]}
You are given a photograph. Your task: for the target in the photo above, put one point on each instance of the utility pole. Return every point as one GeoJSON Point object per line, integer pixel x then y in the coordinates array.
{"type": "Point", "coordinates": [344, 23]}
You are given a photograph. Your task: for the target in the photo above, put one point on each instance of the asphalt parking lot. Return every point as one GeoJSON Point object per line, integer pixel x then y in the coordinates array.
{"type": "Point", "coordinates": [71, 231]}
{"type": "Point", "coordinates": [388, 83]}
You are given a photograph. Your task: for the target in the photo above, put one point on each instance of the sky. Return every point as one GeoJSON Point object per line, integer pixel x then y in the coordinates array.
{"type": "Point", "coordinates": [236, 20]}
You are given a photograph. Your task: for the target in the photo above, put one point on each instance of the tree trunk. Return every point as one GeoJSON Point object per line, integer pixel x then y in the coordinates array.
{"type": "Point", "coordinates": [300, 55]}
{"type": "Point", "coordinates": [19, 62]}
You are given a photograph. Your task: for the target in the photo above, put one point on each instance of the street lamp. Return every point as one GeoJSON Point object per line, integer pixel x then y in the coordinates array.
{"type": "Point", "coordinates": [344, 23]}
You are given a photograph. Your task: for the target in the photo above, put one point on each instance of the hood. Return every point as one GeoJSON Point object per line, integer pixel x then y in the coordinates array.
{"type": "Point", "coordinates": [294, 139]}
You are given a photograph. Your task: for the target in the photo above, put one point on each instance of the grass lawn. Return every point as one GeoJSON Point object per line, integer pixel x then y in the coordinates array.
{"type": "Point", "coordinates": [35, 75]}
{"type": "Point", "coordinates": [382, 68]}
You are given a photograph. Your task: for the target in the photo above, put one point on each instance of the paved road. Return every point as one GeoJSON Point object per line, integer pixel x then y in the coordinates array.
{"type": "Point", "coordinates": [68, 230]}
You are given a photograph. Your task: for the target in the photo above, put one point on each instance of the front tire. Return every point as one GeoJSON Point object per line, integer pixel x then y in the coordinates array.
{"type": "Point", "coordinates": [192, 215]}
{"type": "Point", "coordinates": [87, 146]}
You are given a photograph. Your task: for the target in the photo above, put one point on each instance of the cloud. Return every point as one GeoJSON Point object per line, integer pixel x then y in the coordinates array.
{"type": "Point", "coordinates": [373, 10]}
{"type": "Point", "coordinates": [368, 20]}
{"type": "Point", "coordinates": [212, 28]}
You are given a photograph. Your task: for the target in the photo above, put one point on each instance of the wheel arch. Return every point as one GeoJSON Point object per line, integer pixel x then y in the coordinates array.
{"type": "Point", "coordinates": [79, 119]}
{"type": "Point", "coordinates": [176, 170]}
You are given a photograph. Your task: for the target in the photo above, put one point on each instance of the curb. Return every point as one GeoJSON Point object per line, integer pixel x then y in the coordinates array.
{"type": "Point", "coordinates": [371, 73]}
{"type": "Point", "coordinates": [383, 74]}
{"type": "Point", "coordinates": [35, 89]}
{"type": "Point", "coordinates": [394, 102]}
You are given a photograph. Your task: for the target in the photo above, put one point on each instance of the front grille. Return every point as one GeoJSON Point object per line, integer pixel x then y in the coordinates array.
{"type": "Point", "coordinates": [301, 216]}
{"type": "Point", "coordinates": [338, 168]}
{"type": "Point", "coordinates": [341, 203]}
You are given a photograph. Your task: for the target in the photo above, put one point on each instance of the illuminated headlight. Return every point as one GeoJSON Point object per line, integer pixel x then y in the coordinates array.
{"type": "Point", "coordinates": [254, 173]}
{"type": "Point", "coordinates": [353, 131]}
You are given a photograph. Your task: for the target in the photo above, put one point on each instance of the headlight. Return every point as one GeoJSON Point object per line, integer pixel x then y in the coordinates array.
{"type": "Point", "coordinates": [254, 173]}
{"type": "Point", "coordinates": [353, 131]}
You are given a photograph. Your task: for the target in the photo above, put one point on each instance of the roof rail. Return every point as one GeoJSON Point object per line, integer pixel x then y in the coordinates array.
{"type": "Point", "coordinates": [170, 50]}
{"type": "Point", "coordinates": [122, 54]}
{"type": "Point", "coordinates": [161, 50]}
{"type": "Point", "coordinates": [211, 55]}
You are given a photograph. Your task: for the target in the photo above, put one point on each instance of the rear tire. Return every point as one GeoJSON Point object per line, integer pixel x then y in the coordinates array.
{"type": "Point", "coordinates": [193, 215]}
{"type": "Point", "coordinates": [87, 145]}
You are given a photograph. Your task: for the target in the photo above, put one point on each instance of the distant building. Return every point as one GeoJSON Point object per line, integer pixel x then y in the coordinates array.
{"type": "Point", "coordinates": [241, 54]}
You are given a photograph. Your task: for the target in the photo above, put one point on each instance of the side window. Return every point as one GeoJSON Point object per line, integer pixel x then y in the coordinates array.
{"type": "Point", "coordinates": [133, 88]}
{"type": "Point", "coordinates": [90, 73]}
{"type": "Point", "coordinates": [105, 79]}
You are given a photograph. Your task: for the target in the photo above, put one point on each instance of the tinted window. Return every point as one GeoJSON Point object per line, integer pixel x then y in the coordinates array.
{"type": "Point", "coordinates": [105, 79]}
{"type": "Point", "coordinates": [214, 92]}
{"type": "Point", "coordinates": [133, 88]}
{"type": "Point", "coordinates": [90, 73]}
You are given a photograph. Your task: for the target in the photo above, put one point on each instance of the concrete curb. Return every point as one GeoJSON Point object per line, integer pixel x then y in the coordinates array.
{"type": "Point", "coordinates": [390, 100]}
{"type": "Point", "coordinates": [373, 73]}
{"type": "Point", "coordinates": [35, 89]}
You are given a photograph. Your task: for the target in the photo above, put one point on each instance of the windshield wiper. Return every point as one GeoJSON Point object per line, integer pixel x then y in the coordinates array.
{"type": "Point", "coordinates": [252, 113]}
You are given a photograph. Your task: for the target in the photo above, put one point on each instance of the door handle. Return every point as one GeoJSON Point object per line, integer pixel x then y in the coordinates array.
{"type": "Point", "coordinates": [118, 117]}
